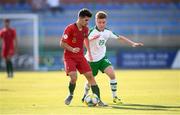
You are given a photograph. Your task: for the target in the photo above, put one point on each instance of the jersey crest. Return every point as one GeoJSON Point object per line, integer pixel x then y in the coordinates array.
{"type": "Point", "coordinates": [74, 40]}
{"type": "Point", "coordinates": [65, 36]}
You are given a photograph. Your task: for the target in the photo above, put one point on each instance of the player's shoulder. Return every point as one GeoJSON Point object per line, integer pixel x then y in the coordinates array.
{"type": "Point", "coordinates": [107, 30]}
{"type": "Point", "coordinates": [87, 28]}
{"type": "Point", "coordinates": [70, 26]}
{"type": "Point", "coordinates": [2, 30]}
{"type": "Point", "coordinates": [92, 30]}
{"type": "Point", "coordinates": [13, 29]}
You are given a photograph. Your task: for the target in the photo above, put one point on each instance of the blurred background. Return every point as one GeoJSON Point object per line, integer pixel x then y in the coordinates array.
{"type": "Point", "coordinates": [40, 24]}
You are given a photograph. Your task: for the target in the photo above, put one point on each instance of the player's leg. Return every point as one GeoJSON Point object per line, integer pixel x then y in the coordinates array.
{"type": "Point", "coordinates": [87, 87]}
{"type": "Point", "coordinates": [92, 82]}
{"type": "Point", "coordinates": [72, 85]}
{"type": "Point", "coordinates": [5, 57]}
{"type": "Point", "coordinates": [85, 69]}
{"type": "Point", "coordinates": [7, 67]}
{"type": "Point", "coordinates": [107, 68]}
{"type": "Point", "coordinates": [11, 68]}
{"type": "Point", "coordinates": [94, 68]}
{"type": "Point", "coordinates": [11, 72]}
{"type": "Point", "coordinates": [94, 87]}
{"type": "Point", "coordinates": [113, 83]}
{"type": "Point", "coordinates": [71, 72]}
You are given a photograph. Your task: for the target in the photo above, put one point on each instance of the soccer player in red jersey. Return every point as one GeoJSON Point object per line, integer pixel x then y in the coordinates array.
{"type": "Point", "coordinates": [9, 42]}
{"type": "Point", "coordinates": [72, 41]}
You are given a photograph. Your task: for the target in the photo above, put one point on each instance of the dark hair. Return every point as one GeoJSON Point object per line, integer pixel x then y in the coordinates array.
{"type": "Point", "coordinates": [84, 12]}
{"type": "Point", "coordinates": [101, 15]}
{"type": "Point", "coordinates": [6, 20]}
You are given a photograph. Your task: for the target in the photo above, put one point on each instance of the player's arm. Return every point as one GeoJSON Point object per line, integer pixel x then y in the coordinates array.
{"type": "Point", "coordinates": [86, 43]}
{"type": "Point", "coordinates": [68, 47]}
{"type": "Point", "coordinates": [0, 34]}
{"type": "Point", "coordinates": [64, 41]}
{"type": "Point", "coordinates": [0, 40]}
{"type": "Point", "coordinates": [15, 41]}
{"type": "Point", "coordinates": [92, 38]}
{"type": "Point", "coordinates": [130, 42]}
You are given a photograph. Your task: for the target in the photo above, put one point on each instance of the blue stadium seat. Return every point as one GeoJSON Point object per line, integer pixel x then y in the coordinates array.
{"type": "Point", "coordinates": [121, 17]}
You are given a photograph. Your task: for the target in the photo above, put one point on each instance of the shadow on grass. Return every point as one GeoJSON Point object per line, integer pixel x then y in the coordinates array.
{"type": "Point", "coordinates": [145, 107]}
{"type": "Point", "coordinates": [4, 90]}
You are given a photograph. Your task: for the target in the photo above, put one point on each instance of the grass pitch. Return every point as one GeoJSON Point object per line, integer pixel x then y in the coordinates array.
{"type": "Point", "coordinates": [143, 92]}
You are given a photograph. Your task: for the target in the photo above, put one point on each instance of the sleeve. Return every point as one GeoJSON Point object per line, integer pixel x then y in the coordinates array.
{"type": "Point", "coordinates": [113, 35]}
{"type": "Point", "coordinates": [66, 35]}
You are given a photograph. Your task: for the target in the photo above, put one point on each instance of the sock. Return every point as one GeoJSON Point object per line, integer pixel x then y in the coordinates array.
{"type": "Point", "coordinates": [7, 67]}
{"type": "Point", "coordinates": [95, 90]}
{"type": "Point", "coordinates": [11, 67]}
{"type": "Point", "coordinates": [86, 89]}
{"type": "Point", "coordinates": [71, 88]}
{"type": "Point", "coordinates": [113, 84]}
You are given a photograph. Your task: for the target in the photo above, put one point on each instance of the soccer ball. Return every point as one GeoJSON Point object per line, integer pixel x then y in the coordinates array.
{"type": "Point", "coordinates": [91, 100]}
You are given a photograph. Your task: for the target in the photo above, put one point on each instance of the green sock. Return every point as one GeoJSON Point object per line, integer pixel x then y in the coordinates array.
{"type": "Point", "coordinates": [95, 90]}
{"type": "Point", "coordinates": [7, 67]}
{"type": "Point", "coordinates": [71, 88]}
{"type": "Point", "coordinates": [11, 67]}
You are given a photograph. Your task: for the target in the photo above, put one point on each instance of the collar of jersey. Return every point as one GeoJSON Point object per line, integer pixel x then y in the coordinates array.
{"type": "Point", "coordinates": [98, 29]}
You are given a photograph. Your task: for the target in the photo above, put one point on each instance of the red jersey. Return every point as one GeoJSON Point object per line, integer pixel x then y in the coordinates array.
{"type": "Point", "coordinates": [75, 38]}
{"type": "Point", "coordinates": [8, 36]}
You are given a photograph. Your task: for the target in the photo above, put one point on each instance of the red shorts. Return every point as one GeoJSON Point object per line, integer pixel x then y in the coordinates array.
{"type": "Point", "coordinates": [6, 53]}
{"type": "Point", "coordinates": [76, 63]}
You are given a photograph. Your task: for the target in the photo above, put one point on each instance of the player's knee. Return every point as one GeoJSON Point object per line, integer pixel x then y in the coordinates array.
{"type": "Point", "coordinates": [111, 76]}
{"type": "Point", "coordinates": [89, 76]}
{"type": "Point", "coordinates": [73, 79]}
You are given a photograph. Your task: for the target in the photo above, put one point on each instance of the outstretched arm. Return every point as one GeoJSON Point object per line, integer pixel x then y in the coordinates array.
{"type": "Point", "coordinates": [128, 41]}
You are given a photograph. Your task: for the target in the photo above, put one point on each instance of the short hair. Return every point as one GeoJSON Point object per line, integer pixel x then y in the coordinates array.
{"type": "Point", "coordinates": [84, 12]}
{"type": "Point", "coordinates": [101, 15]}
{"type": "Point", "coordinates": [6, 20]}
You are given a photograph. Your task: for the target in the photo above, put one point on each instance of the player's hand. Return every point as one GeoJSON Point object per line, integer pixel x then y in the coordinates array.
{"type": "Point", "coordinates": [90, 57]}
{"type": "Point", "coordinates": [75, 50]}
{"type": "Point", "coordinates": [137, 44]}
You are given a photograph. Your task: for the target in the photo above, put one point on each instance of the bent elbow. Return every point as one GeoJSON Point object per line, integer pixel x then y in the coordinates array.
{"type": "Point", "coordinates": [61, 44]}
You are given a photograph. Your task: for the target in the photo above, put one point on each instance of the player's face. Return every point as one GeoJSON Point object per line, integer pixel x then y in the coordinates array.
{"type": "Point", "coordinates": [84, 21]}
{"type": "Point", "coordinates": [6, 24]}
{"type": "Point", "coordinates": [101, 24]}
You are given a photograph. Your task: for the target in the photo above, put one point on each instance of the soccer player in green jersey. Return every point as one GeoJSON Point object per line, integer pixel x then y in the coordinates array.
{"type": "Point", "coordinates": [96, 55]}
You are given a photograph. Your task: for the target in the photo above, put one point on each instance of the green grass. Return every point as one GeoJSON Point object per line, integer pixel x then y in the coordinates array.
{"type": "Point", "coordinates": [143, 92]}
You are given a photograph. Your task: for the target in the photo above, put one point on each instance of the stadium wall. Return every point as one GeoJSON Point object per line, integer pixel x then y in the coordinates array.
{"type": "Point", "coordinates": [148, 58]}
